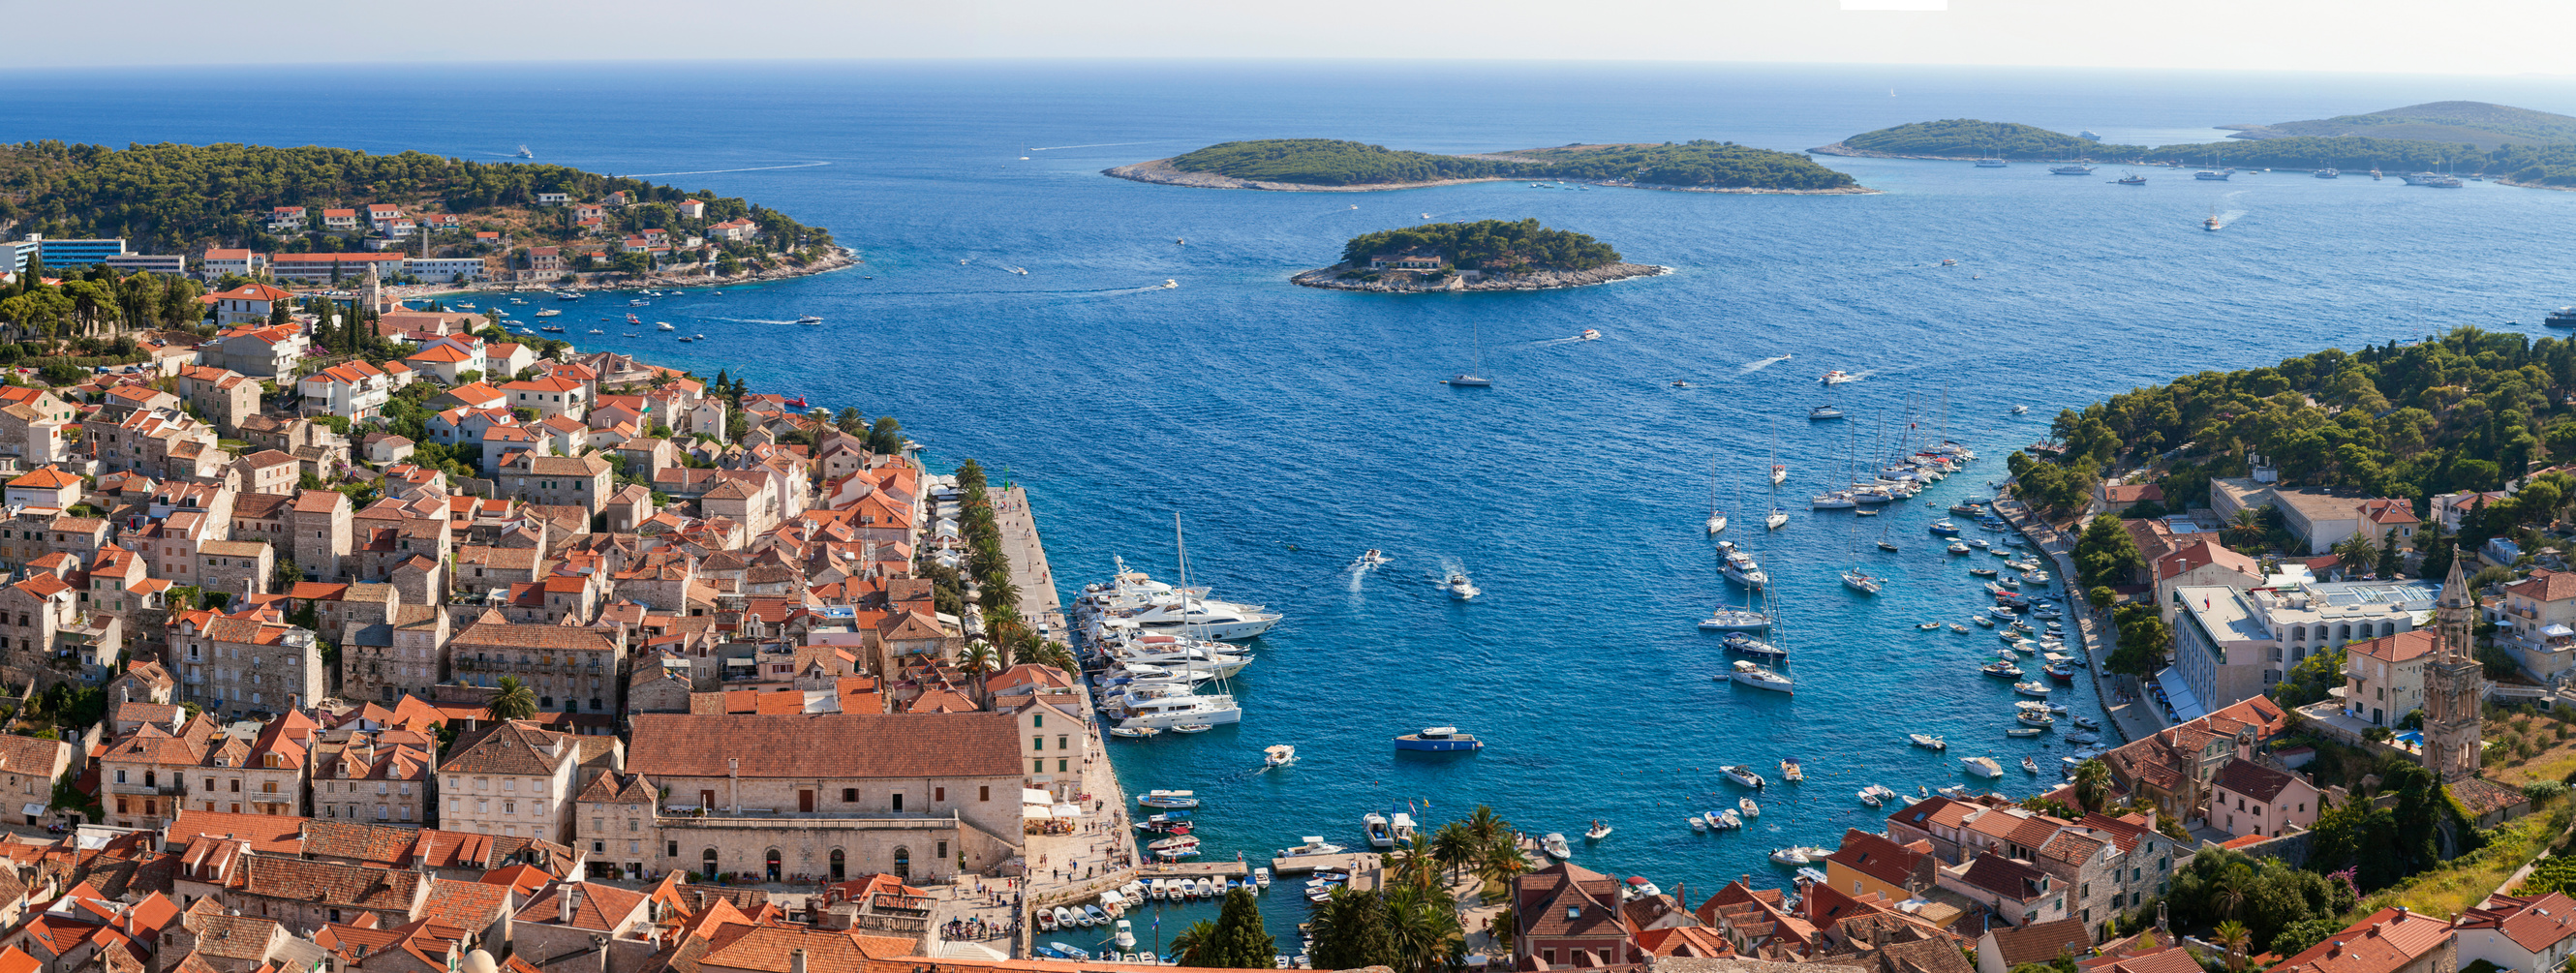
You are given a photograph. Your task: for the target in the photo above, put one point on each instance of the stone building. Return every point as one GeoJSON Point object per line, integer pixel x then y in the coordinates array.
{"type": "Point", "coordinates": [387, 660]}
{"type": "Point", "coordinates": [243, 666]}
{"type": "Point", "coordinates": [556, 481]}
{"type": "Point", "coordinates": [613, 823]}
{"type": "Point", "coordinates": [320, 525]}
{"type": "Point", "coordinates": [255, 772]}
{"type": "Point", "coordinates": [513, 780]}
{"type": "Point", "coordinates": [830, 795]}
{"type": "Point", "coordinates": [378, 777]}
{"type": "Point", "coordinates": [2453, 684]}
{"type": "Point", "coordinates": [571, 669]}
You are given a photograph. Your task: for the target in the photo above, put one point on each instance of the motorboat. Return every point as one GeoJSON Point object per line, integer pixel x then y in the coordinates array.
{"type": "Point", "coordinates": [1927, 741]}
{"type": "Point", "coordinates": [1169, 799]}
{"type": "Point", "coordinates": [1748, 674]}
{"type": "Point", "coordinates": [1439, 739]}
{"type": "Point", "coordinates": [1742, 773]}
{"type": "Point", "coordinates": [1929, 626]}
{"type": "Point", "coordinates": [1745, 572]}
{"type": "Point", "coordinates": [1278, 755]}
{"type": "Point", "coordinates": [1747, 805]}
{"type": "Point", "coordinates": [1792, 771]}
{"type": "Point", "coordinates": [661, 325]}
{"type": "Point", "coordinates": [2002, 670]}
{"type": "Point", "coordinates": [2085, 722]}
{"type": "Point", "coordinates": [1944, 528]}
{"type": "Point", "coordinates": [1726, 820]}
{"type": "Point", "coordinates": [1373, 825]}
{"type": "Point", "coordinates": [1597, 831]}
{"type": "Point", "coordinates": [1956, 627]}
{"type": "Point", "coordinates": [1313, 845]}
{"type": "Point", "coordinates": [1976, 542]}
{"type": "Point", "coordinates": [1799, 855]}
{"type": "Point", "coordinates": [1838, 377]}
{"type": "Point", "coordinates": [1982, 620]}
{"type": "Point", "coordinates": [1046, 920]}
{"type": "Point", "coordinates": [2212, 224]}
{"type": "Point", "coordinates": [2033, 688]}
{"type": "Point", "coordinates": [1194, 728]}
{"type": "Point", "coordinates": [1125, 937]}
{"type": "Point", "coordinates": [1832, 500]}
{"type": "Point", "coordinates": [2035, 717]}
{"type": "Point", "coordinates": [1588, 334]}
{"type": "Point", "coordinates": [809, 319]}
{"type": "Point", "coordinates": [1823, 412]}
{"type": "Point", "coordinates": [1261, 876]}
{"type": "Point", "coordinates": [1979, 572]}
{"type": "Point", "coordinates": [2071, 169]}
{"type": "Point", "coordinates": [1982, 766]}
{"type": "Point", "coordinates": [2029, 766]}
{"type": "Point", "coordinates": [1869, 796]}
{"type": "Point", "coordinates": [1698, 824]}
{"type": "Point", "coordinates": [549, 312]}
{"type": "Point", "coordinates": [1955, 547]}
{"type": "Point", "coordinates": [1462, 589]}
{"type": "Point", "coordinates": [1175, 843]}
{"type": "Point", "coordinates": [1133, 732]}
{"type": "Point", "coordinates": [1735, 620]}
{"type": "Point", "coordinates": [1176, 713]}
{"type": "Point", "coordinates": [1554, 846]}
{"type": "Point", "coordinates": [1369, 558]}
{"type": "Point", "coordinates": [2132, 179]}
{"type": "Point", "coordinates": [2024, 732]}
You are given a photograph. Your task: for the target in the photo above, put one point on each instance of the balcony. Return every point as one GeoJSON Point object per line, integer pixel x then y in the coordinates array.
{"type": "Point", "coordinates": [752, 819]}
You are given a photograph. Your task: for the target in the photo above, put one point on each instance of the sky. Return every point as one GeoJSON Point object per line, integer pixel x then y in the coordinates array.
{"type": "Point", "coordinates": [2457, 37]}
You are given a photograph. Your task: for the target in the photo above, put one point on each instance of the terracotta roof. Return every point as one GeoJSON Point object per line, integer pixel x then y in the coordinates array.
{"type": "Point", "coordinates": [888, 745]}
{"type": "Point", "coordinates": [2535, 924]}
{"type": "Point", "coordinates": [2041, 942]}
{"type": "Point", "coordinates": [2133, 493]}
{"type": "Point", "coordinates": [2383, 943]}
{"type": "Point", "coordinates": [1878, 857]}
{"type": "Point", "coordinates": [2401, 647]}
{"type": "Point", "coordinates": [2205, 552]}
{"type": "Point", "coordinates": [597, 907]}
{"type": "Point", "coordinates": [2253, 780]}
{"type": "Point", "coordinates": [45, 478]}
{"type": "Point", "coordinates": [2545, 585]}
{"type": "Point", "coordinates": [2004, 876]}
{"type": "Point", "coordinates": [2172, 959]}
{"type": "Point", "coordinates": [465, 905]}
{"type": "Point", "coordinates": [514, 748]}
{"type": "Point", "coordinates": [347, 886]}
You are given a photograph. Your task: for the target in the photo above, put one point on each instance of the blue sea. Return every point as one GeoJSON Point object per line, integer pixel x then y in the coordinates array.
{"type": "Point", "coordinates": [1291, 428]}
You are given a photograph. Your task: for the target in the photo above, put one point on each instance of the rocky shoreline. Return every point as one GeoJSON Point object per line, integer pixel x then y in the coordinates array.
{"type": "Point", "coordinates": [1401, 282]}
{"type": "Point", "coordinates": [840, 258]}
{"type": "Point", "coordinates": [1160, 172]}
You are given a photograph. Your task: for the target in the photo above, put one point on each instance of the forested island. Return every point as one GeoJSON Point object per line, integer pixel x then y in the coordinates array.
{"type": "Point", "coordinates": [1487, 255]}
{"type": "Point", "coordinates": [2283, 147]}
{"type": "Point", "coordinates": [182, 199]}
{"type": "Point", "coordinates": [1332, 165]}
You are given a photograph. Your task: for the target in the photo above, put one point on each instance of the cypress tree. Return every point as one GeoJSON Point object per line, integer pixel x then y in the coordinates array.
{"type": "Point", "coordinates": [1241, 941]}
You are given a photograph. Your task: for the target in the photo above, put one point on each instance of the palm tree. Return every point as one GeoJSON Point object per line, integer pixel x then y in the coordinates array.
{"type": "Point", "coordinates": [979, 660]}
{"type": "Point", "coordinates": [1424, 924]}
{"type": "Point", "coordinates": [2233, 935]}
{"type": "Point", "coordinates": [514, 701]}
{"type": "Point", "coordinates": [1412, 863]}
{"type": "Point", "coordinates": [1502, 860]}
{"type": "Point", "coordinates": [1194, 942]}
{"type": "Point", "coordinates": [2234, 888]}
{"type": "Point", "coordinates": [1454, 846]}
{"type": "Point", "coordinates": [2092, 784]}
{"type": "Point", "coordinates": [1487, 825]}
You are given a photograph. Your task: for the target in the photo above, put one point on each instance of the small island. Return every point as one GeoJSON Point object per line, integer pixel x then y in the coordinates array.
{"type": "Point", "coordinates": [1487, 255]}
{"type": "Point", "coordinates": [1332, 165]}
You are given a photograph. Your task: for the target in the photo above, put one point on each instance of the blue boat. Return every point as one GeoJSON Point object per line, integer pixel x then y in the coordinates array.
{"type": "Point", "coordinates": [1440, 739]}
{"type": "Point", "coordinates": [1945, 528]}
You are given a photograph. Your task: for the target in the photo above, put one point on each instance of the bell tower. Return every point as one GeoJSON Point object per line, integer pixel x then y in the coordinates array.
{"type": "Point", "coordinates": [2453, 685]}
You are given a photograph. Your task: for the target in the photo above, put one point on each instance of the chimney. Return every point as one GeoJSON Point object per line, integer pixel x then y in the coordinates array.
{"type": "Point", "coordinates": [796, 962]}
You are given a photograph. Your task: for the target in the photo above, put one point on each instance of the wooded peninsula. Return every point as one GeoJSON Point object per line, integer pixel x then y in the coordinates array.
{"type": "Point", "coordinates": [1332, 165]}
{"type": "Point", "coordinates": [1484, 255]}
{"type": "Point", "coordinates": [2515, 163]}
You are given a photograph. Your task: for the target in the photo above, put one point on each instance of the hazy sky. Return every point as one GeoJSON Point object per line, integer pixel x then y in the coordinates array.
{"type": "Point", "coordinates": [2396, 36]}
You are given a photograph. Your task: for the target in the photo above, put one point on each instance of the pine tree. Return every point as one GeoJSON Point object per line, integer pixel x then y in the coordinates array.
{"type": "Point", "coordinates": [1241, 941]}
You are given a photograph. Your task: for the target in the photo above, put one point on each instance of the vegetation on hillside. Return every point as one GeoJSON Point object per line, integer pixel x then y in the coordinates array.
{"type": "Point", "coordinates": [1334, 162]}
{"type": "Point", "coordinates": [1487, 245]}
{"type": "Point", "coordinates": [2484, 124]}
{"type": "Point", "coordinates": [171, 198]}
{"type": "Point", "coordinates": [2459, 412]}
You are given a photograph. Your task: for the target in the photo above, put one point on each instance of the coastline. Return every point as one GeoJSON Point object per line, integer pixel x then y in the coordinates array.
{"type": "Point", "coordinates": [1327, 278]}
{"type": "Point", "coordinates": [1161, 173]}
{"type": "Point", "coordinates": [841, 258]}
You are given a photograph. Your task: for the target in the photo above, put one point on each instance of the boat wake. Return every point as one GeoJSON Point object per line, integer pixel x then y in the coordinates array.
{"type": "Point", "coordinates": [751, 320]}
{"type": "Point", "coordinates": [1755, 366]}
{"type": "Point", "coordinates": [2231, 216]}
{"type": "Point", "coordinates": [710, 172]}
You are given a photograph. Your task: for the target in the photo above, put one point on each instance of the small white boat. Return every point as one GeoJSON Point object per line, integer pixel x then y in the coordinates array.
{"type": "Point", "coordinates": [1760, 678]}
{"type": "Point", "coordinates": [1799, 855]}
{"type": "Point", "coordinates": [809, 319]}
{"type": "Point", "coordinates": [2029, 766]}
{"type": "Point", "coordinates": [1982, 766]}
{"type": "Point", "coordinates": [1369, 558]}
{"type": "Point", "coordinates": [1927, 741]}
{"type": "Point", "coordinates": [1169, 283]}
{"type": "Point", "coordinates": [2032, 687]}
{"type": "Point", "coordinates": [1726, 821]}
{"type": "Point", "coordinates": [1698, 823]}
{"type": "Point", "coordinates": [1597, 831]}
{"type": "Point", "coordinates": [1193, 728]}
{"type": "Point", "coordinates": [1133, 731]}
{"type": "Point", "coordinates": [1314, 845]}
{"type": "Point", "coordinates": [1750, 809]}
{"type": "Point", "coordinates": [1743, 774]}
{"type": "Point", "coordinates": [1462, 589]}
{"type": "Point", "coordinates": [1373, 825]}
{"type": "Point", "coordinates": [1554, 846]}
{"type": "Point", "coordinates": [1261, 876]}
{"type": "Point", "coordinates": [1278, 755]}
{"type": "Point", "coordinates": [1776, 519]}
{"type": "Point", "coordinates": [663, 326]}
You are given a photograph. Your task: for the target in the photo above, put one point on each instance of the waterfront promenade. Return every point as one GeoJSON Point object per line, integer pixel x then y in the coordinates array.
{"type": "Point", "coordinates": [1039, 602]}
{"type": "Point", "coordinates": [2131, 717]}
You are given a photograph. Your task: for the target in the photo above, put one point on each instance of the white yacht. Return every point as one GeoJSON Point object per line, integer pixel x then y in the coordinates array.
{"type": "Point", "coordinates": [809, 319]}
{"type": "Point", "coordinates": [663, 326]}
{"type": "Point", "coordinates": [1555, 847]}
{"type": "Point", "coordinates": [1314, 845]}
{"type": "Point", "coordinates": [1203, 619]}
{"type": "Point", "coordinates": [1861, 581]}
{"type": "Point", "coordinates": [1173, 711]}
{"type": "Point", "coordinates": [1374, 825]}
{"type": "Point", "coordinates": [1982, 766]}
{"type": "Point", "coordinates": [1777, 519]}
{"type": "Point", "coordinates": [1760, 678]}
{"type": "Point", "coordinates": [1835, 500]}
{"type": "Point", "coordinates": [1400, 826]}
{"type": "Point", "coordinates": [1747, 574]}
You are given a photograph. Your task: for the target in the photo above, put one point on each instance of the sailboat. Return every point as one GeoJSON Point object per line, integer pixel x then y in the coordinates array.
{"type": "Point", "coordinates": [1779, 470]}
{"type": "Point", "coordinates": [1716, 517]}
{"type": "Point", "coordinates": [1883, 543]}
{"type": "Point", "coordinates": [1473, 378]}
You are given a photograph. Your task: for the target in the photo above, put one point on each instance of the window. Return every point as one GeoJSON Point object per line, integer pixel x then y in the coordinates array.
{"type": "Point", "coordinates": [938, 795]}
{"type": "Point", "coordinates": [1060, 763]}
{"type": "Point", "coordinates": [849, 795]}
{"type": "Point", "coordinates": [984, 793]}
{"type": "Point", "coordinates": [1037, 743]}
{"type": "Point", "coordinates": [898, 803]}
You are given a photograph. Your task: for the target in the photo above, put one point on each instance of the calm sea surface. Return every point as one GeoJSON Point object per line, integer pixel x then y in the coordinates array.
{"type": "Point", "coordinates": [1292, 428]}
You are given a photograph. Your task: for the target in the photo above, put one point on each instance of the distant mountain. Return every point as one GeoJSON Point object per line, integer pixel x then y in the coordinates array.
{"type": "Point", "coordinates": [2473, 122]}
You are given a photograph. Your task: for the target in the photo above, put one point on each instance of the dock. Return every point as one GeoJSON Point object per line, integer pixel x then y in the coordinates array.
{"type": "Point", "coordinates": [1194, 870]}
{"type": "Point", "coordinates": [1355, 863]}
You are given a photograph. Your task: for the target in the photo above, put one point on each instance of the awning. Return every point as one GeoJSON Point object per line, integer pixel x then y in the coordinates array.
{"type": "Point", "coordinates": [1034, 812]}
{"type": "Point", "coordinates": [2185, 706]}
{"type": "Point", "coordinates": [1031, 795]}
{"type": "Point", "coordinates": [1068, 810]}
{"type": "Point", "coordinates": [972, 951]}
{"type": "Point", "coordinates": [32, 810]}
{"type": "Point", "coordinates": [2558, 631]}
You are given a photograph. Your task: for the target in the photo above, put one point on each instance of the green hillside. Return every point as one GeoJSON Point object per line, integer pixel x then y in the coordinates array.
{"type": "Point", "coordinates": [2487, 126]}
{"type": "Point", "coordinates": [1333, 162]}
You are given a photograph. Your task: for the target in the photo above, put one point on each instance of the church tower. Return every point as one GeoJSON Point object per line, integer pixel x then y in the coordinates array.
{"type": "Point", "coordinates": [2453, 685]}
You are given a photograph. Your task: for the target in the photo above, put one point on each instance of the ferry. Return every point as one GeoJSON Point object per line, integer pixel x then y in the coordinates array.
{"type": "Point", "coordinates": [2211, 175]}
{"type": "Point", "coordinates": [2072, 169]}
{"type": "Point", "coordinates": [1439, 739]}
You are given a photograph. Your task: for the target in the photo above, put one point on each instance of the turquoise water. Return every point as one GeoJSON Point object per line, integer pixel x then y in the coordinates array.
{"type": "Point", "coordinates": [1292, 428]}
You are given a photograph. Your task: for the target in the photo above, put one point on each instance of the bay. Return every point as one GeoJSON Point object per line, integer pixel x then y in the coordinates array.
{"type": "Point", "coordinates": [1292, 428]}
